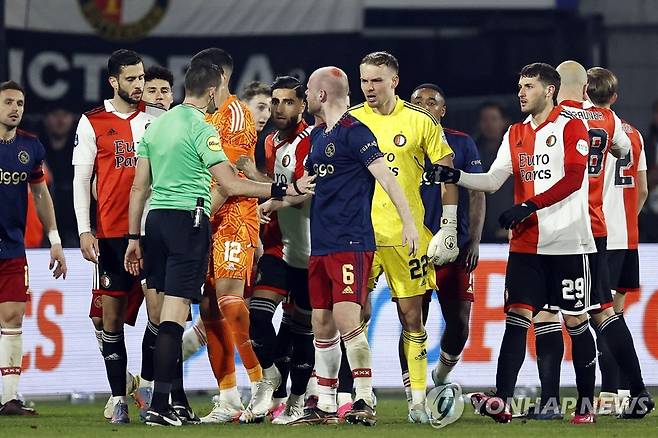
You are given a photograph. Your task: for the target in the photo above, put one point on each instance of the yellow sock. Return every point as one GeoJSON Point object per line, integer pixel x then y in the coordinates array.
{"type": "Point", "coordinates": [415, 350]}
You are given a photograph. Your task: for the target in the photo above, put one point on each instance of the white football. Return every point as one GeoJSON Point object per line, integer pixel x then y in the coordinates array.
{"type": "Point", "coordinates": [444, 404]}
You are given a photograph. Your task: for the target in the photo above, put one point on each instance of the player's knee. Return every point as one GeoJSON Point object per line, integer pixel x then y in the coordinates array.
{"type": "Point", "coordinates": [12, 318]}
{"type": "Point", "coordinates": [574, 320]}
{"type": "Point", "coordinates": [112, 322]}
{"type": "Point", "coordinates": [546, 316]}
{"type": "Point", "coordinates": [412, 320]}
{"type": "Point", "coordinates": [97, 322]}
{"type": "Point", "coordinates": [521, 311]}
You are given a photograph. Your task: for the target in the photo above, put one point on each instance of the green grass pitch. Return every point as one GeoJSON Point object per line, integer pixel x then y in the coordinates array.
{"type": "Point", "coordinates": [62, 419]}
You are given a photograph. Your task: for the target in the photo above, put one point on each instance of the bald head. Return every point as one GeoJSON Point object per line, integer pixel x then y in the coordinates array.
{"type": "Point", "coordinates": [573, 78]}
{"type": "Point", "coordinates": [332, 80]}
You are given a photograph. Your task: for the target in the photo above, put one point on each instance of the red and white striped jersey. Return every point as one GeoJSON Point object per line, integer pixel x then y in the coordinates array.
{"type": "Point", "coordinates": [620, 192]}
{"type": "Point", "coordinates": [288, 235]}
{"type": "Point", "coordinates": [537, 156]}
{"type": "Point", "coordinates": [604, 129]}
{"type": "Point", "coordinates": [108, 140]}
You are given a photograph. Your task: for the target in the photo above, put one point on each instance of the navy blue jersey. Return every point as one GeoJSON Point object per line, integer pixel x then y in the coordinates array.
{"type": "Point", "coordinates": [341, 206]}
{"type": "Point", "coordinates": [21, 163]}
{"type": "Point", "coordinates": [466, 158]}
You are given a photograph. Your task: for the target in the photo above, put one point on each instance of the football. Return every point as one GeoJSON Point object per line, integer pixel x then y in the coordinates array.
{"type": "Point", "coordinates": [444, 404]}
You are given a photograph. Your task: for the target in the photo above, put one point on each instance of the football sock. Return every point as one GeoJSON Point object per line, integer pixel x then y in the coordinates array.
{"type": "Point", "coordinates": [99, 339]}
{"type": "Point", "coordinates": [415, 350]}
{"type": "Point", "coordinates": [358, 354]}
{"type": "Point", "coordinates": [607, 364]}
{"type": "Point", "coordinates": [193, 339]}
{"type": "Point", "coordinates": [345, 378]}
{"type": "Point", "coordinates": [404, 368]}
{"type": "Point", "coordinates": [303, 358]}
{"type": "Point", "coordinates": [583, 351]}
{"type": "Point", "coordinates": [261, 329]}
{"type": "Point", "coordinates": [447, 363]}
{"type": "Point", "coordinates": [550, 350]}
{"type": "Point", "coordinates": [148, 347]}
{"type": "Point", "coordinates": [327, 363]}
{"type": "Point", "coordinates": [221, 352]}
{"type": "Point", "coordinates": [167, 354]}
{"type": "Point", "coordinates": [178, 396]}
{"type": "Point", "coordinates": [231, 395]}
{"type": "Point", "coordinates": [237, 315]}
{"type": "Point", "coordinates": [312, 387]}
{"type": "Point", "coordinates": [512, 354]}
{"type": "Point", "coordinates": [282, 354]}
{"type": "Point", "coordinates": [116, 361]}
{"type": "Point", "coordinates": [11, 358]}
{"type": "Point", "coordinates": [616, 335]}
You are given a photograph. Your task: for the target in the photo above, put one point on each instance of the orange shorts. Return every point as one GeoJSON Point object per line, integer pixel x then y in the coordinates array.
{"type": "Point", "coordinates": [232, 253]}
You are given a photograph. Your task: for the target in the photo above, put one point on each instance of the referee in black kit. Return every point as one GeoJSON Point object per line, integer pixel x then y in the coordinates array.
{"type": "Point", "coordinates": [177, 155]}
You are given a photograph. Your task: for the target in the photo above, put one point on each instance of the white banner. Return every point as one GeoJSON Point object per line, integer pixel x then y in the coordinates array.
{"type": "Point", "coordinates": [61, 353]}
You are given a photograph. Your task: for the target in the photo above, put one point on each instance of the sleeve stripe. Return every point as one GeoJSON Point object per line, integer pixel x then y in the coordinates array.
{"type": "Point", "coordinates": [237, 116]}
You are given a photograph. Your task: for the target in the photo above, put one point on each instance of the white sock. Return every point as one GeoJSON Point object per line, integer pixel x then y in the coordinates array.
{"type": "Point", "coordinates": [407, 387]}
{"type": "Point", "coordinates": [418, 397]}
{"type": "Point", "coordinates": [11, 357]}
{"type": "Point", "coordinates": [230, 396]}
{"type": "Point", "coordinates": [269, 373]}
{"type": "Point", "coordinates": [358, 355]}
{"type": "Point", "coordinates": [312, 386]}
{"type": "Point", "coordinates": [327, 364]}
{"type": "Point", "coordinates": [344, 398]}
{"type": "Point", "coordinates": [446, 364]}
{"type": "Point", "coordinates": [99, 339]}
{"type": "Point", "coordinates": [193, 339]}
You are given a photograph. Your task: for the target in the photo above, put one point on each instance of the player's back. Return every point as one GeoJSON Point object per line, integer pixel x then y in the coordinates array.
{"type": "Point", "coordinates": [20, 164]}
{"type": "Point", "coordinates": [602, 130]}
{"type": "Point", "coordinates": [341, 207]}
{"type": "Point", "coordinates": [237, 132]}
{"type": "Point", "coordinates": [537, 157]}
{"type": "Point", "coordinates": [620, 192]}
{"type": "Point", "coordinates": [405, 136]}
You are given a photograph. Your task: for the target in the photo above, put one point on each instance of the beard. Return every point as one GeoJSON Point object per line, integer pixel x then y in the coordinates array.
{"type": "Point", "coordinates": [126, 97]}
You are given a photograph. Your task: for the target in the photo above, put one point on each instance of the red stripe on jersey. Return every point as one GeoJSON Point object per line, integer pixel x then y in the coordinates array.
{"type": "Point", "coordinates": [525, 236]}
{"type": "Point", "coordinates": [630, 193]}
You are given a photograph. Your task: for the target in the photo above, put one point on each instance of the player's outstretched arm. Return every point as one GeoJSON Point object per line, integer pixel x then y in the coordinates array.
{"type": "Point", "coordinates": [139, 192]}
{"type": "Point", "coordinates": [232, 185]}
{"type": "Point", "coordinates": [386, 179]}
{"type": "Point", "coordinates": [46, 212]}
{"type": "Point", "coordinates": [247, 166]}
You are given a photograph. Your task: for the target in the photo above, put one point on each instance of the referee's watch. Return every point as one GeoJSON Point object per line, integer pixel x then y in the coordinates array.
{"type": "Point", "coordinates": [279, 190]}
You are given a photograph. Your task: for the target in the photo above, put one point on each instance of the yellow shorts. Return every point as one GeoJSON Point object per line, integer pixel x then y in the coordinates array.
{"type": "Point", "coordinates": [407, 276]}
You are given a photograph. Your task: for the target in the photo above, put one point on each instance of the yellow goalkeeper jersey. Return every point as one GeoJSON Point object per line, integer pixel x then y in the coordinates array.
{"type": "Point", "coordinates": [406, 137]}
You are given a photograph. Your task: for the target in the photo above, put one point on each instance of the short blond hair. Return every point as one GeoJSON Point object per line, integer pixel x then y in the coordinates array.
{"type": "Point", "coordinates": [601, 85]}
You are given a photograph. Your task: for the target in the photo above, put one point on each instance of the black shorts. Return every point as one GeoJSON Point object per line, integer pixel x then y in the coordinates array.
{"type": "Point", "coordinates": [624, 265]}
{"type": "Point", "coordinates": [551, 282]}
{"type": "Point", "coordinates": [598, 266]}
{"type": "Point", "coordinates": [111, 277]}
{"type": "Point", "coordinates": [176, 253]}
{"type": "Point", "coordinates": [275, 275]}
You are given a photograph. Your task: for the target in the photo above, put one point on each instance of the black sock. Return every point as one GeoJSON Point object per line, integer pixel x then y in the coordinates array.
{"type": "Point", "coordinates": [178, 396]}
{"type": "Point", "coordinates": [116, 361]}
{"type": "Point", "coordinates": [148, 347]}
{"type": "Point", "coordinates": [550, 350]}
{"type": "Point", "coordinates": [607, 364]}
{"type": "Point", "coordinates": [303, 358]}
{"type": "Point", "coordinates": [261, 329]}
{"type": "Point", "coordinates": [282, 354]}
{"type": "Point", "coordinates": [618, 338]}
{"type": "Point", "coordinates": [512, 355]}
{"type": "Point", "coordinates": [345, 379]}
{"type": "Point", "coordinates": [165, 358]}
{"type": "Point", "coordinates": [404, 365]}
{"type": "Point", "coordinates": [583, 351]}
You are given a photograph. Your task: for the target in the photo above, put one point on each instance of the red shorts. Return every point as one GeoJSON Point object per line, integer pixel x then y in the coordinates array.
{"type": "Point", "coordinates": [14, 280]}
{"type": "Point", "coordinates": [341, 276]}
{"type": "Point", "coordinates": [454, 282]}
{"type": "Point", "coordinates": [135, 298]}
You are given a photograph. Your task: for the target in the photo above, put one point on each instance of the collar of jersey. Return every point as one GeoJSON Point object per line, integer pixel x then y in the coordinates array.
{"type": "Point", "coordinates": [300, 127]}
{"type": "Point", "coordinates": [111, 109]}
{"type": "Point", "coordinates": [399, 105]}
{"type": "Point", "coordinates": [550, 119]}
{"type": "Point", "coordinates": [229, 100]}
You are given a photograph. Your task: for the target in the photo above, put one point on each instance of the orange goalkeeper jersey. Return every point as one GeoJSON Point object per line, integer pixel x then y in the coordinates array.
{"type": "Point", "coordinates": [237, 132]}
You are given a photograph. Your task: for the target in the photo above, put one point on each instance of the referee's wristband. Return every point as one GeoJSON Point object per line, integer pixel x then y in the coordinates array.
{"type": "Point", "coordinates": [279, 190]}
{"type": "Point", "coordinates": [132, 236]}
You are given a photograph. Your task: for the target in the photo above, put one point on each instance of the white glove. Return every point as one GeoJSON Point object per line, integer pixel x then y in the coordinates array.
{"type": "Point", "coordinates": [443, 246]}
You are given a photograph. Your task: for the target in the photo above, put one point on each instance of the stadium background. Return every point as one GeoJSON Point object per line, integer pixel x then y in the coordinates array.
{"type": "Point", "coordinates": [473, 48]}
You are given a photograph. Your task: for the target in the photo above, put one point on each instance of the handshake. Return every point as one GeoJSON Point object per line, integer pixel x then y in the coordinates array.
{"type": "Point", "coordinates": [438, 173]}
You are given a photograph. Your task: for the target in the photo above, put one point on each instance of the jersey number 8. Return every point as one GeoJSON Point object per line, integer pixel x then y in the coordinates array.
{"type": "Point", "coordinates": [598, 142]}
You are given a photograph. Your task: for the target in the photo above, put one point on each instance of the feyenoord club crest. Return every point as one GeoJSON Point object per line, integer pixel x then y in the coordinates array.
{"type": "Point", "coordinates": [399, 140]}
{"type": "Point", "coordinates": [330, 150]}
{"type": "Point", "coordinates": [551, 140]}
{"type": "Point", "coordinates": [105, 281]}
{"type": "Point", "coordinates": [114, 20]}
{"type": "Point", "coordinates": [286, 160]}
{"type": "Point", "coordinates": [23, 157]}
